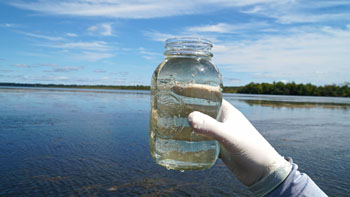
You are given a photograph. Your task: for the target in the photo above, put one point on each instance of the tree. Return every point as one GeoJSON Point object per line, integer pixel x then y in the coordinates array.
{"type": "Point", "coordinates": [292, 88]}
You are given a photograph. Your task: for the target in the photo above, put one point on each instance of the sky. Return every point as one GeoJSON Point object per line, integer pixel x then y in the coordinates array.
{"type": "Point", "coordinates": [116, 42]}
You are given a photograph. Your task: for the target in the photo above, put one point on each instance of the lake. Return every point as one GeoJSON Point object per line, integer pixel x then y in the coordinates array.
{"type": "Point", "coordinates": [72, 142]}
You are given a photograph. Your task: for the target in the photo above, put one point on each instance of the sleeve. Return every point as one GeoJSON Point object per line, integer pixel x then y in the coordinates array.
{"type": "Point", "coordinates": [294, 184]}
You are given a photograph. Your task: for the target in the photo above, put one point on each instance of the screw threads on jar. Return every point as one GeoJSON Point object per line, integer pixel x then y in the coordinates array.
{"type": "Point", "coordinates": [188, 46]}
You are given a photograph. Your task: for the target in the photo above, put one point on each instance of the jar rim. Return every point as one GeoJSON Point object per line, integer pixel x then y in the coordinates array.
{"type": "Point", "coordinates": [174, 40]}
{"type": "Point", "coordinates": [188, 47]}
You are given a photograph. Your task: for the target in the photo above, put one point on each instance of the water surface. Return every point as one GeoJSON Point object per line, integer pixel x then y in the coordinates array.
{"type": "Point", "coordinates": [95, 142]}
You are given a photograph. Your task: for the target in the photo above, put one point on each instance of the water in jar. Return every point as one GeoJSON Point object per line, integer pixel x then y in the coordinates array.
{"type": "Point", "coordinates": [180, 86]}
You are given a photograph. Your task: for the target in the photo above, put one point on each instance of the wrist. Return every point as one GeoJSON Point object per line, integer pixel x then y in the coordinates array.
{"type": "Point", "coordinates": [274, 176]}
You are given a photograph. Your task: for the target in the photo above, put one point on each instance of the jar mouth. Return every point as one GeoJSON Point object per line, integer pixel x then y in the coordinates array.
{"type": "Point", "coordinates": [188, 46]}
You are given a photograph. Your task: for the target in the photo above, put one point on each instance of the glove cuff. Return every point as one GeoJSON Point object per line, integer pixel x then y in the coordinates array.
{"type": "Point", "coordinates": [271, 181]}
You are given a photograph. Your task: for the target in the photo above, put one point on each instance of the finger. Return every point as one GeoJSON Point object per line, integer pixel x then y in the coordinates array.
{"type": "Point", "coordinates": [224, 112]}
{"type": "Point", "coordinates": [205, 125]}
{"type": "Point", "coordinates": [228, 113]}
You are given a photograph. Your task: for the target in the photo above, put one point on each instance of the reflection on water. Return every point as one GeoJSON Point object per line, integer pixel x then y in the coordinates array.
{"type": "Point", "coordinates": [95, 142]}
{"type": "Point", "coordinates": [277, 104]}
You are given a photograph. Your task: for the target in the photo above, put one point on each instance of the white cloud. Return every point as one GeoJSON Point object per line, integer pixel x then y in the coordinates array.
{"type": "Point", "coordinates": [104, 29]}
{"type": "Point", "coordinates": [55, 67]}
{"type": "Point", "coordinates": [93, 46]}
{"type": "Point", "coordinates": [228, 28]}
{"type": "Point", "coordinates": [71, 35]}
{"type": "Point", "coordinates": [48, 65]}
{"type": "Point", "coordinates": [148, 54]}
{"type": "Point", "coordinates": [99, 71]}
{"type": "Point", "coordinates": [292, 11]}
{"type": "Point", "coordinates": [56, 78]}
{"type": "Point", "coordinates": [22, 65]}
{"type": "Point", "coordinates": [218, 28]}
{"type": "Point", "coordinates": [82, 51]}
{"type": "Point", "coordinates": [105, 78]}
{"type": "Point", "coordinates": [319, 56]}
{"type": "Point", "coordinates": [310, 18]}
{"type": "Point", "coordinates": [160, 37]}
{"type": "Point", "coordinates": [283, 11]}
{"type": "Point", "coordinates": [270, 50]}
{"type": "Point", "coordinates": [51, 38]}
{"type": "Point", "coordinates": [253, 10]}
{"type": "Point", "coordinates": [284, 81]}
{"type": "Point", "coordinates": [9, 25]}
{"type": "Point", "coordinates": [5, 71]}
{"type": "Point", "coordinates": [132, 8]}
{"type": "Point", "coordinates": [65, 69]}
{"type": "Point", "coordinates": [92, 56]}
{"type": "Point", "coordinates": [232, 81]}
{"type": "Point", "coordinates": [36, 78]}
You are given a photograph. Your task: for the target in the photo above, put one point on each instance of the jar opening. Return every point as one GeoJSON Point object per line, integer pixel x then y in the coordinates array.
{"type": "Point", "coordinates": [188, 46]}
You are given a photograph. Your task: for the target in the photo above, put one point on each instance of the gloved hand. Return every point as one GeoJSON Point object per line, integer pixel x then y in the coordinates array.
{"type": "Point", "coordinates": [242, 148]}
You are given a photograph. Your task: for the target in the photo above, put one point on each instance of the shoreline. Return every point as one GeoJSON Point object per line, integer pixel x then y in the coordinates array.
{"type": "Point", "coordinates": [290, 89]}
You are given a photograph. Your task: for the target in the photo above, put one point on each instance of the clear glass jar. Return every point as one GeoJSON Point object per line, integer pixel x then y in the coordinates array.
{"type": "Point", "coordinates": [184, 82]}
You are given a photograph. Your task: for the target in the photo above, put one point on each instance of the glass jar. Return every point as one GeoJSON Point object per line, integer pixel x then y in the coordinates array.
{"type": "Point", "coordinates": [184, 82]}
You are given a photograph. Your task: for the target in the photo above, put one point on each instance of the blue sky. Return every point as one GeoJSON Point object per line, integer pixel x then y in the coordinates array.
{"type": "Point", "coordinates": [121, 42]}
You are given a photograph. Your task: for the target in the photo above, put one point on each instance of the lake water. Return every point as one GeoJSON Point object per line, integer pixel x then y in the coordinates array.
{"type": "Point", "coordinates": [95, 142]}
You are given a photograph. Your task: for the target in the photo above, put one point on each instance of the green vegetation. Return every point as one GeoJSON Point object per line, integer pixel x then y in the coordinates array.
{"type": "Point", "coordinates": [231, 89]}
{"type": "Point", "coordinates": [277, 88]}
{"type": "Point", "coordinates": [280, 88]}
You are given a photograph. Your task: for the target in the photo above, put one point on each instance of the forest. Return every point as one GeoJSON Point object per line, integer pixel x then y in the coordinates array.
{"type": "Point", "coordinates": [280, 88]}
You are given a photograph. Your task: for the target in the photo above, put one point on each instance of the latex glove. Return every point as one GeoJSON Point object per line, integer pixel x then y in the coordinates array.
{"type": "Point", "coordinates": [242, 148]}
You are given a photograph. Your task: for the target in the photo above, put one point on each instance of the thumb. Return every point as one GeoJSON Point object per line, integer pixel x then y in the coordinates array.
{"type": "Point", "coordinates": [205, 125]}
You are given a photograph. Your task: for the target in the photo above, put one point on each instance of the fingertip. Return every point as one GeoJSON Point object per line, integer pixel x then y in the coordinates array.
{"type": "Point", "coordinates": [191, 116]}
{"type": "Point", "coordinates": [204, 124]}
{"type": "Point", "coordinates": [195, 119]}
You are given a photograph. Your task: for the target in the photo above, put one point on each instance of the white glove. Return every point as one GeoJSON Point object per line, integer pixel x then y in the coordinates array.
{"type": "Point", "coordinates": [242, 148]}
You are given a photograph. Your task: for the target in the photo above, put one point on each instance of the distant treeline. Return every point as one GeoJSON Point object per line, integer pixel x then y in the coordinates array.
{"type": "Point", "coordinates": [119, 87]}
{"type": "Point", "coordinates": [280, 88]}
{"type": "Point", "coordinates": [277, 88]}
{"type": "Point", "coordinates": [231, 89]}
